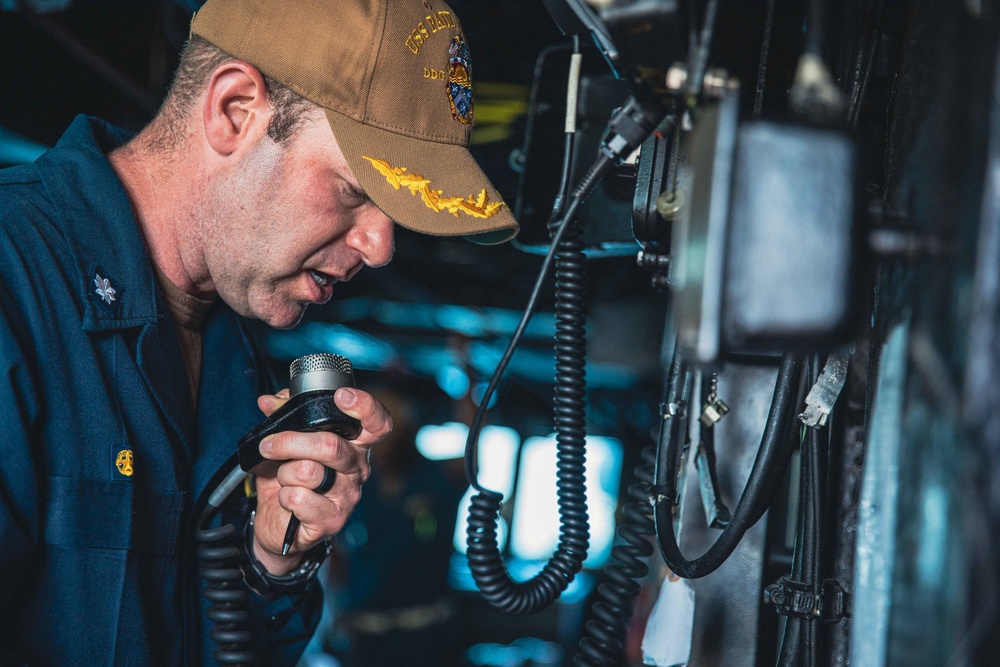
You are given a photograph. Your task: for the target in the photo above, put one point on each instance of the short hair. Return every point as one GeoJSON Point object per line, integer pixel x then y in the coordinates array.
{"type": "Point", "coordinates": [198, 60]}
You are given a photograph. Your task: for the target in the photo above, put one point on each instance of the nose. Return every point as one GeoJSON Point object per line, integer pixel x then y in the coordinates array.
{"type": "Point", "coordinates": [374, 237]}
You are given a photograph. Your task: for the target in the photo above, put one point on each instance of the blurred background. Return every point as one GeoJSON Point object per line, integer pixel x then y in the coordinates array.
{"type": "Point", "coordinates": [907, 501]}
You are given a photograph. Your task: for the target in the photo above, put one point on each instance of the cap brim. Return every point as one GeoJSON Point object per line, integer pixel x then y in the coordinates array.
{"type": "Point", "coordinates": [427, 186]}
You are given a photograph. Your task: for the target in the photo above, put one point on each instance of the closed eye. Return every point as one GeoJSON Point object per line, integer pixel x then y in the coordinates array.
{"type": "Point", "coordinates": [358, 195]}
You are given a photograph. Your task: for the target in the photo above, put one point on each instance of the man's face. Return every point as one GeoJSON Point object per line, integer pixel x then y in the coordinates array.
{"type": "Point", "coordinates": [281, 228]}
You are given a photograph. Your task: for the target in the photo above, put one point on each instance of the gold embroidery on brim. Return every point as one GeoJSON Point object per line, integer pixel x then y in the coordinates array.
{"type": "Point", "coordinates": [477, 206]}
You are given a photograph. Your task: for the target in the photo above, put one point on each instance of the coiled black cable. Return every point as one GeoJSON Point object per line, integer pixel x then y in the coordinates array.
{"type": "Point", "coordinates": [569, 409]}
{"type": "Point", "coordinates": [765, 476]}
{"type": "Point", "coordinates": [628, 127]}
{"type": "Point", "coordinates": [483, 552]}
{"type": "Point", "coordinates": [218, 553]}
{"type": "Point", "coordinates": [604, 642]}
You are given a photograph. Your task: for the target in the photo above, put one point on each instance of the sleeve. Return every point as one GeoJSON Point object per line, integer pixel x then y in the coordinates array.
{"type": "Point", "coordinates": [19, 492]}
{"type": "Point", "coordinates": [286, 625]}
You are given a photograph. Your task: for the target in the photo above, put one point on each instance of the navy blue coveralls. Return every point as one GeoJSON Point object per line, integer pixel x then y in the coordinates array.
{"type": "Point", "coordinates": [97, 565]}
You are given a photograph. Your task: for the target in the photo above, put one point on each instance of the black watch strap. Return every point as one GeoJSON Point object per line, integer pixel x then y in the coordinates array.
{"type": "Point", "coordinates": [272, 586]}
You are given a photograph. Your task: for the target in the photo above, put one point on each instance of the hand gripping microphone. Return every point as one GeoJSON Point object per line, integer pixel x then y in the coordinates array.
{"type": "Point", "coordinates": [313, 380]}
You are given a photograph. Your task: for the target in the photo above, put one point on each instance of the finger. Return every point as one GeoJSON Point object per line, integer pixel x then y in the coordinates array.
{"type": "Point", "coordinates": [376, 422]}
{"type": "Point", "coordinates": [268, 403]}
{"type": "Point", "coordinates": [320, 516]}
{"type": "Point", "coordinates": [340, 487]}
{"type": "Point", "coordinates": [305, 473]}
{"type": "Point", "coordinates": [319, 447]}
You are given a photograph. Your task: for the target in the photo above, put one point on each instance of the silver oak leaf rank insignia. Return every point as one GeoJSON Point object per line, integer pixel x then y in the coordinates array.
{"type": "Point", "coordinates": [104, 289]}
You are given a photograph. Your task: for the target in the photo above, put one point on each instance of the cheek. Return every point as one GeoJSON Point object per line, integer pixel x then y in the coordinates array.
{"type": "Point", "coordinates": [328, 219]}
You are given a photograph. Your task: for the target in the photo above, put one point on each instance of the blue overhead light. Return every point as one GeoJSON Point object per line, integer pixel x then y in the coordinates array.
{"type": "Point", "coordinates": [497, 447]}
{"type": "Point", "coordinates": [479, 391]}
{"type": "Point", "coordinates": [535, 522]}
{"type": "Point", "coordinates": [452, 380]}
{"type": "Point", "coordinates": [365, 352]}
{"type": "Point", "coordinates": [461, 319]}
{"type": "Point", "coordinates": [15, 149]}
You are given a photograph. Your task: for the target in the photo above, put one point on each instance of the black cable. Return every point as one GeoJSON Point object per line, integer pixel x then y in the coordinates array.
{"type": "Point", "coordinates": [699, 55]}
{"type": "Point", "coordinates": [218, 551]}
{"type": "Point", "coordinates": [569, 141]}
{"type": "Point", "coordinates": [483, 553]}
{"type": "Point", "coordinates": [765, 48]}
{"type": "Point", "coordinates": [604, 642]}
{"type": "Point", "coordinates": [814, 27]}
{"type": "Point", "coordinates": [219, 564]}
{"type": "Point", "coordinates": [765, 476]}
{"type": "Point", "coordinates": [628, 127]}
{"type": "Point", "coordinates": [799, 641]}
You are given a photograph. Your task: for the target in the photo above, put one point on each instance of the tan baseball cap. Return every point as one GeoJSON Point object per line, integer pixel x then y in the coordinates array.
{"type": "Point", "coordinates": [394, 77]}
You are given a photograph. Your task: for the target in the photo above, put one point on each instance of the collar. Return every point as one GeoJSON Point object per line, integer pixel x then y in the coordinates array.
{"type": "Point", "coordinates": [115, 275]}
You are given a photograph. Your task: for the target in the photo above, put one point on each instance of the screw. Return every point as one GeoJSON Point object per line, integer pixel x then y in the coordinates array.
{"type": "Point", "coordinates": [775, 595]}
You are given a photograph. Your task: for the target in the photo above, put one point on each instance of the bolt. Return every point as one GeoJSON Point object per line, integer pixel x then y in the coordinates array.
{"type": "Point", "coordinates": [670, 202]}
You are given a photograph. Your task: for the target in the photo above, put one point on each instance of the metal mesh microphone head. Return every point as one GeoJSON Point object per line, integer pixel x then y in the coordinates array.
{"type": "Point", "coordinates": [320, 372]}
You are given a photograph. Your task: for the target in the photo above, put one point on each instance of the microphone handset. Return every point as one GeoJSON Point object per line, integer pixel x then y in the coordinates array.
{"type": "Point", "coordinates": [224, 561]}
{"type": "Point", "coordinates": [313, 381]}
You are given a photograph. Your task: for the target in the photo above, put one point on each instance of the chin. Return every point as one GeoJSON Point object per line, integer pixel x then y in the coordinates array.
{"type": "Point", "coordinates": [286, 318]}
{"type": "Point", "coordinates": [285, 322]}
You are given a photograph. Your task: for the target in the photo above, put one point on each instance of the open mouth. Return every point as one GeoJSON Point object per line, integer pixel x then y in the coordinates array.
{"type": "Point", "coordinates": [320, 279]}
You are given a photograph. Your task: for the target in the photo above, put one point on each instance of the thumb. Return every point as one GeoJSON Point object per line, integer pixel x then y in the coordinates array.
{"type": "Point", "coordinates": [268, 403]}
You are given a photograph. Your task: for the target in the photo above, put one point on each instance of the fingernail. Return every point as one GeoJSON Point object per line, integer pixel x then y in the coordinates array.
{"type": "Point", "coordinates": [284, 393]}
{"type": "Point", "coordinates": [266, 445]}
{"type": "Point", "coordinates": [347, 397]}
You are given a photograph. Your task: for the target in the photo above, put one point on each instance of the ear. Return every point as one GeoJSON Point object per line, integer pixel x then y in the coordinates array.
{"type": "Point", "coordinates": [236, 108]}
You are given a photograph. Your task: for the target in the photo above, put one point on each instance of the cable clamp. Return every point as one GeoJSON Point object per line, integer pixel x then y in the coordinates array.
{"type": "Point", "coordinates": [659, 493]}
{"type": "Point", "coordinates": [668, 410]}
{"type": "Point", "coordinates": [797, 599]}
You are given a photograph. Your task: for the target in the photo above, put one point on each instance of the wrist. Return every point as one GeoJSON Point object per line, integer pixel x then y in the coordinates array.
{"type": "Point", "coordinates": [274, 563]}
{"type": "Point", "coordinates": [271, 585]}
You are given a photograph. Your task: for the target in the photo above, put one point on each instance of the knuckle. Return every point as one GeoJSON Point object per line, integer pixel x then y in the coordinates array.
{"type": "Point", "coordinates": [329, 445]}
{"type": "Point", "coordinates": [295, 494]}
{"type": "Point", "coordinates": [353, 495]}
{"type": "Point", "coordinates": [303, 470]}
{"type": "Point", "coordinates": [387, 425]}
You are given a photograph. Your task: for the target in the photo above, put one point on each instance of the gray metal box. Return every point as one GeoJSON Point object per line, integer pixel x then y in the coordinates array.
{"type": "Point", "coordinates": [790, 250]}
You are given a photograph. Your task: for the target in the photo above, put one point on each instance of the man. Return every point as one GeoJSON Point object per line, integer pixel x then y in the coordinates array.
{"type": "Point", "coordinates": [127, 373]}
